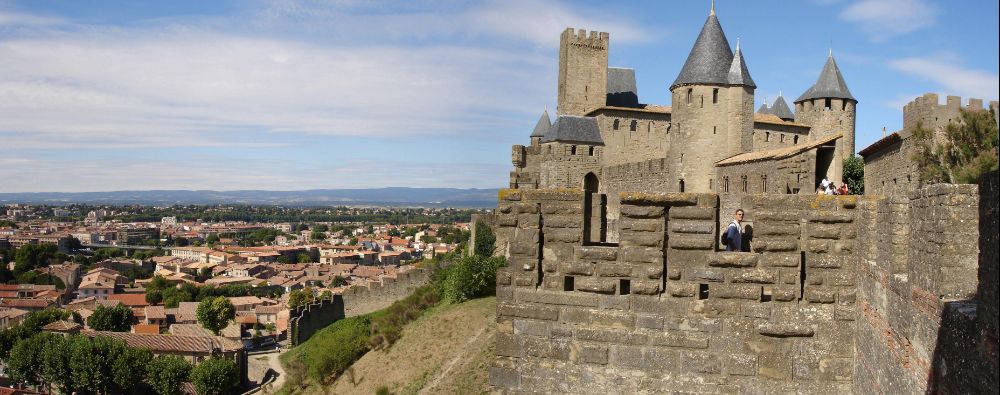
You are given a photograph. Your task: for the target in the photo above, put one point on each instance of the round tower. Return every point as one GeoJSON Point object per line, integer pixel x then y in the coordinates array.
{"type": "Point", "coordinates": [830, 109]}
{"type": "Point", "coordinates": [713, 105]}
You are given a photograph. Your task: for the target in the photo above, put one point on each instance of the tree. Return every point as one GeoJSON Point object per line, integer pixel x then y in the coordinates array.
{"type": "Point", "coordinates": [212, 239]}
{"type": "Point", "coordinates": [854, 175]}
{"type": "Point", "coordinates": [33, 256]}
{"type": "Point", "coordinates": [116, 319]}
{"type": "Point", "coordinates": [317, 235]}
{"type": "Point", "coordinates": [55, 367]}
{"type": "Point", "coordinates": [300, 297]}
{"type": "Point", "coordinates": [215, 376]}
{"type": "Point", "coordinates": [39, 278]}
{"type": "Point", "coordinates": [126, 363]}
{"type": "Point", "coordinates": [215, 313]}
{"type": "Point", "coordinates": [25, 357]}
{"type": "Point", "coordinates": [960, 152]}
{"type": "Point", "coordinates": [154, 296]}
{"type": "Point", "coordinates": [484, 240]}
{"type": "Point", "coordinates": [304, 258]}
{"type": "Point", "coordinates": [338, 282]}
{"type": "Point", "coordinates": [166, 374]}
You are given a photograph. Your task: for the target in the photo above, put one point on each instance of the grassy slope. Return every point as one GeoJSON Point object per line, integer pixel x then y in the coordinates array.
{"type": "Point", "coordinates": [445, 338]}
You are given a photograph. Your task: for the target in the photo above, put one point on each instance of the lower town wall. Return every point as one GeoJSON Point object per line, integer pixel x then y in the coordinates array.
{"type": "Point", "coordinates": [306, 320]}
{"type": "Point", "coordinates": [838, 294]}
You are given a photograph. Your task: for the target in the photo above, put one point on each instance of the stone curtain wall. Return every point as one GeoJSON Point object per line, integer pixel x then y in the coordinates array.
{"type": "Point", "coordinates": [305, 320]}
{"type": "Point", "coordinates": [663, 309]}
{"type": "Point", "coordinates": [892, 171]}
{"type": "Point", "coordinates": [918, 270]}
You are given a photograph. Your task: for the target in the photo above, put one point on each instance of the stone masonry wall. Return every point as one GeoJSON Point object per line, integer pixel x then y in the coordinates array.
{"type": "Point", "coordinates": [919, 257]}
{"type": "Point", "coordinates": [663, 309]}
{"type": "Point", "coordinates": [650, 139]}
{"type": "Point", "coordinates": [304, 321]}
{"type": "Point", "coordinates": [891, 171]}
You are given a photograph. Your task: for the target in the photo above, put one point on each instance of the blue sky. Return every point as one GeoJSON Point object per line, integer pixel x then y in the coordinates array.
{"type": "Point", "coordinates": [288, 94]}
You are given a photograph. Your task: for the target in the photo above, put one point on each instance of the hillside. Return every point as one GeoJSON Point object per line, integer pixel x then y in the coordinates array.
{"type": "Point", "coordinates": [446, 351]}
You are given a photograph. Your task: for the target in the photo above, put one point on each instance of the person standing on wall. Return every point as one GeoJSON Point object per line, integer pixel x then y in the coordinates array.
{"type": "Point", "coordinates": [733, 237]}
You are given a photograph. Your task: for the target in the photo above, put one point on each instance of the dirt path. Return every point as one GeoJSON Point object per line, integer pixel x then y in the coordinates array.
{"type": "Point", "coordinates": [274, 362]}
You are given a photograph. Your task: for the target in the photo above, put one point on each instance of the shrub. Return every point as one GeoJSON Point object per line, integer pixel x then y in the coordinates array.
{"type": "Point", "coordinates": [331, 350]}
{"type": "Point", "coordinates": [215, 376]}
{"type": "Point", "coordinates": [470, 277]}
{"type": "Point", "coordinates": [166, 374]}
{"type": "Point", "coordinates": [388, 327]}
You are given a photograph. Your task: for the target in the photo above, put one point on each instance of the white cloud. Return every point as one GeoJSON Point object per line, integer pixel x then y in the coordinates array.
{"type": "Point", "coordinates": [883, 19]}
{"type": "Point", "coordinates": [539, 22]}
{"type": "Point", "coordinates": [951, 77]}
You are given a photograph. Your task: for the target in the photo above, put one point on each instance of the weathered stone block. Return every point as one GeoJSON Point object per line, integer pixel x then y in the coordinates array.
{"type": "Point", "coordinates": [641, 239]}
{"type": "Point", "coordinates": [726, 291]}
{"type": "Point", "coordinates": [755, 277]}
{"type": "Point", "coordinates": [777, 329]}
{"type": "Point", "coordinates": [594, 253]}
{"type": "Point", "coordinates": [692, 243]}
{"type": "Point", "coordinates": [504, 377]}
{"type": "Point", "coordinates": [710, 275]}
{"type": "Point", "coordinates": [611, 318]}
{"type": "Point", "coordinates": [643, 255]}
{"type": "Point", "coordinates": [733, 259]}
{"type": "Point", "coordinates": [563, 236]}
{"type": "Point", "coordinates": [577, 268]}
{"type": "Point", "coordinates": [529, 311]}
{"type": "Point", "coordinates": [660, 360]}
{"type": "Point", "coordinates": [555, 298]}
{"type": "Point", "coordinates": [641, 211]}
{"type": "Point", "coordinates": [598, 285]}
{"type": "Point", "coordinates": [740, 364]}
{"type": "Point", "coordinates": [645, 287]}
{"type": "Point", "coordinates": [595, 354]}
{"type": "Point", "coordinates": [641, 225]}
{"type": "Point", "coordinates": [525, 279]}
{"type": "Point", "coordinates": [613, 302]}
{"type": "Point", "coordinates": [562, 209]}
{"type": "Point", "coordinates": [831, 217]}
{"type": "Point", "coordinates": [611, 336]}
{"type": "Point", "coordinates": [563, 221]}
{"type": "Point", "coordinates": [825, 231]}
{"type": "Point", "coordinates": [625, 356]}
{"type": "Point", "coordinates": [776, 366]}
{"type": "Point", "coordinates": [779, 259]}
{"type": "Point", "coordinates": [715, 307]}
{"type": "Point", "coordinates": [693, 227]}
{"type": "Point", "coordinates": [648, 321]}
{"type": "Point", "coordinates": [614, 269]}
{"type": "Point", "coordinates": [697, 340]}
{"type": "Point", "coordinates": [820, 295]}
{"type": "Point", "coordinates": [533, 328]}
{"type": "Point", "coordinates": [700, 362]}
{"type": "Point", "coordinates": [839, 278]}
{"type": "Point", "coordinates": [574, 315]}
{"type": "Point", "coordinates": [836, 369]}
{"type": "Point", "coordinates": [508, 345]}
{"type": "Point", "coordinates": [703, 213]}
{"type": "Point", "coordinates": [503, 277]}
{"type": "Point", "coordinates": [682, 290]}
{"type": "Point", "coordinates": [674, 273]}
{"type": "Point", "coordinates": [754, 310]}
{"type": "Point", "coordinates": [776, 245]}
{"type": "Point", "coordinates": [825, 261]}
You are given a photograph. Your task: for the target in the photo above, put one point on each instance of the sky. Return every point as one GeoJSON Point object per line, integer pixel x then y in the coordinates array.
{"type": "Point", "coordinates": [313, 94]}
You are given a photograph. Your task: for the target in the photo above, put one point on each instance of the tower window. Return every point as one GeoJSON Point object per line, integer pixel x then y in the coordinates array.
{"type": "Point", "coordinates": [725, 184]}
{"type": "Point", "coordinates": [767, 136]}
{"type": "Point", "coordinates": [827, 104]}
{"type": "Point", "coordinates": [649, 127]}
{"type": "Point", "coordinates": [745, 185]}
{"type": "Point", "coordinates": [763, 183]}
{"type": "Point", "coordinates": [572, 150]}
{"type": "Point", "coordinates": [781, 138]}
{"type": "Point", "coordinates": [795, 139]}
{"type": "Point", "coordinates": [714, 128]}
{"type": "Point", "coordinates": [590, 151]}
{"type": "Point", "coordinates": [690, 95]}
{"type": "Point", "coordinates": [633, 125]}
{"type": "Point", "coordinates": [715, 95]}
{"type": "Point", "coordinates": [680, 185]}
{"type": "Point", "coordinates": [843, 106]}
{"type": "Point", "coordinates": [615, 125]}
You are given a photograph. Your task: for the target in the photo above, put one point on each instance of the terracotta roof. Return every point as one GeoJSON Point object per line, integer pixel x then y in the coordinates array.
{"type": "Point", "coordinates": [6, 312]}
{"type": "Point", "coordinates": [61, 326]}
{"type": "Point", "coordinates": [267, 309]}
{"type": "Point", "coordinates": [146, 329]}
{"type": "Point", "coordinates": [245, 300]}
{"type": "Point", "coordinates": [171, 343]}
{"type": "Point", "coordinates": [156, 313]}
{"type": "Point", "coordinates": [130, 300]}
{"type": "Point", "coordinates": [777, 153]}
{"type": "Point", "coordinates": [884, 142]}
{"type": "Point", "coordinates": [246, 317]}
{"type": "Point", "coordinates": [26, 303]}
{"type": "Point", "coordinates": [189, 330]}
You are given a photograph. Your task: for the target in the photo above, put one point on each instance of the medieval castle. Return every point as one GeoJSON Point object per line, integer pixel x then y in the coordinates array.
{"type": "Point", "coordinates": [617, 282]}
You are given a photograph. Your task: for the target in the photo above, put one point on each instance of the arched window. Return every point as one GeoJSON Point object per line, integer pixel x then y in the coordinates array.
{"type": "Point", "coordinates": [591, 183]}
{"type": "Point", "coordinates": [680, 185]}
{"type": "Point", "coordinates": [633, 125]}
{"type": "Point", "coordinates": [590, 151]}
{"type": "Point", "coordinates": [615, 125]}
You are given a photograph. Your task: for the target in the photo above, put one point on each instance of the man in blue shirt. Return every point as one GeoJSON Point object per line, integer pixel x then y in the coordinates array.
{"type": "Point", "coordinates": [734, 233]}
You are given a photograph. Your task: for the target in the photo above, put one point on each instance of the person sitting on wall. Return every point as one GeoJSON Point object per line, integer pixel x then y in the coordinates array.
{"type": "Point", "coordinates": [733, 237]}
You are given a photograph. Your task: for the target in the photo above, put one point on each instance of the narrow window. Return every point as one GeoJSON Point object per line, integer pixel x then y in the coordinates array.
{"type": "Point", "coordinates": [795, 140]}
{"type": "Point", "coordinates": [649, 127]}
{"type": "Point", "coordinates": [568, 283]}
{"type": "Point", "coordinates": [624, 287]}
{"type": "Point", "coordinates": [781, 138]}
{"type": "Point", "coordinates": [615, 125]}
{"type": "Point", "coordinates": [702, 291]}
{"type": "Point", "coordinates": [725, 187]}
{"type": "Point", "coordinates": [767, 136]}
{"type": "Point", "coordinates": [745, 185]}
{"type": "Point", "coordinates": [843, 106]}
{"type": "Point", "coordinates": [632, 127]}
{"type": "Point", "coordinates": [702, 105]}
{"type": "Point", "coordinates": [763, 183]}
{"type": "Point", "coordinates": [681, 185]}
{"type": "Point", "coordinates": [714, 128]}
{"type": "Point", "coordinates": [690, 95]}
{"type": "Point", "coordinates": [590, 151]}
{"type": "Point", "coordinates": [827, 104]}
{"type": "Point", "coordinates": [711, 184]}
{"type": "Point", "coordinates": [572, 150]}
{"type": "Point", "coordinates": [715, 95]}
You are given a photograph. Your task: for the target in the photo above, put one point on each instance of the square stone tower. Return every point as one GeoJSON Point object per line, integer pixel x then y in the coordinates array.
{"type": "Point", "coordinates": [583, 71]}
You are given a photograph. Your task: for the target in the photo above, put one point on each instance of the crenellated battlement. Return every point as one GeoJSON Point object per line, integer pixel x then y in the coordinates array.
{"type": "Point", "coordinates": [929, 111]}
{"type": "Point", "coordinates": [596, 39]}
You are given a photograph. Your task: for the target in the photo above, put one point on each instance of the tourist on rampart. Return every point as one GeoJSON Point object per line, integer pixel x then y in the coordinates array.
{"type": "Point", "coordinates": [733, 238]}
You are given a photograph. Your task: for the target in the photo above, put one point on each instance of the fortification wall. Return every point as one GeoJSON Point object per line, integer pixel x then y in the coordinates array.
{"type": "Point", "coordinates": [795, 174]}
{"type": "Point", "coordinates": [768, 136]}
{"type": "Point", "coordinates": [927, 111]}
{"type": "Point", "coordinates": [908, 282]}
{"type": "Point", "coordinates": [663, 309]}
{"type": "Point", "coordinates": [646, 176]}
{"type": "Point", "coordinates": [649, 138]}
{"type": "Point", "coordinates": [891, 170]}
{"type": "Point", "coordinates": [305, 320]}
{"type": "Point", "coordinates": [562, 168]}
{"type": "Point", "coordinates": [583, 71]}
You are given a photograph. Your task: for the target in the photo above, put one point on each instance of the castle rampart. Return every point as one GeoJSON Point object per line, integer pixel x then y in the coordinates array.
{"type": "Point", "coordinates": [838, 294]}
{"type": "Point", "coordinates": [928, 111]}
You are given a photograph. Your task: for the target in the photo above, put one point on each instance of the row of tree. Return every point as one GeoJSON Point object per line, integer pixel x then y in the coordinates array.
{"type": "Point", "coordinates": [102, 365]}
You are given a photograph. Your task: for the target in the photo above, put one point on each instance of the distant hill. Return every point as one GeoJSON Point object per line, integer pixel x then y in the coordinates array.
{"type": "Point", "coordinates": [393, 196]}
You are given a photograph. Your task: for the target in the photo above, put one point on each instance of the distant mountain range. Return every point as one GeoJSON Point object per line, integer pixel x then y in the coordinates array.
{"type": "Point", "coordinates": [393, 196]}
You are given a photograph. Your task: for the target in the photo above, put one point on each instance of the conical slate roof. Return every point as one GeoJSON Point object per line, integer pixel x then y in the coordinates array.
{"type": "Point", "coordinates": [830, 84]}
{"type": "Point", "coordinates": [710, 58]}
{"type": "Point", "coordinates": [543, 125]}
{"type": "Point", "coordinates": [763, 109]}
{"type": "Point", "coordinates": [738, 73]}
{"type": "Point", "coordinates": [781, 110]}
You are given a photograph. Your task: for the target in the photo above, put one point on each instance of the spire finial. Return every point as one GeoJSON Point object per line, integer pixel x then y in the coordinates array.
{"type": "Point", "coordinates": [765, 100]}
{"type": "Point", "coordinates": [713, 8]}
{"type": "Point", "coordinates": [737, 44]}
{"type": "Point", "coordinates": [831, 48]}
{"type": "Point", "coordinates": [779, 93]}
